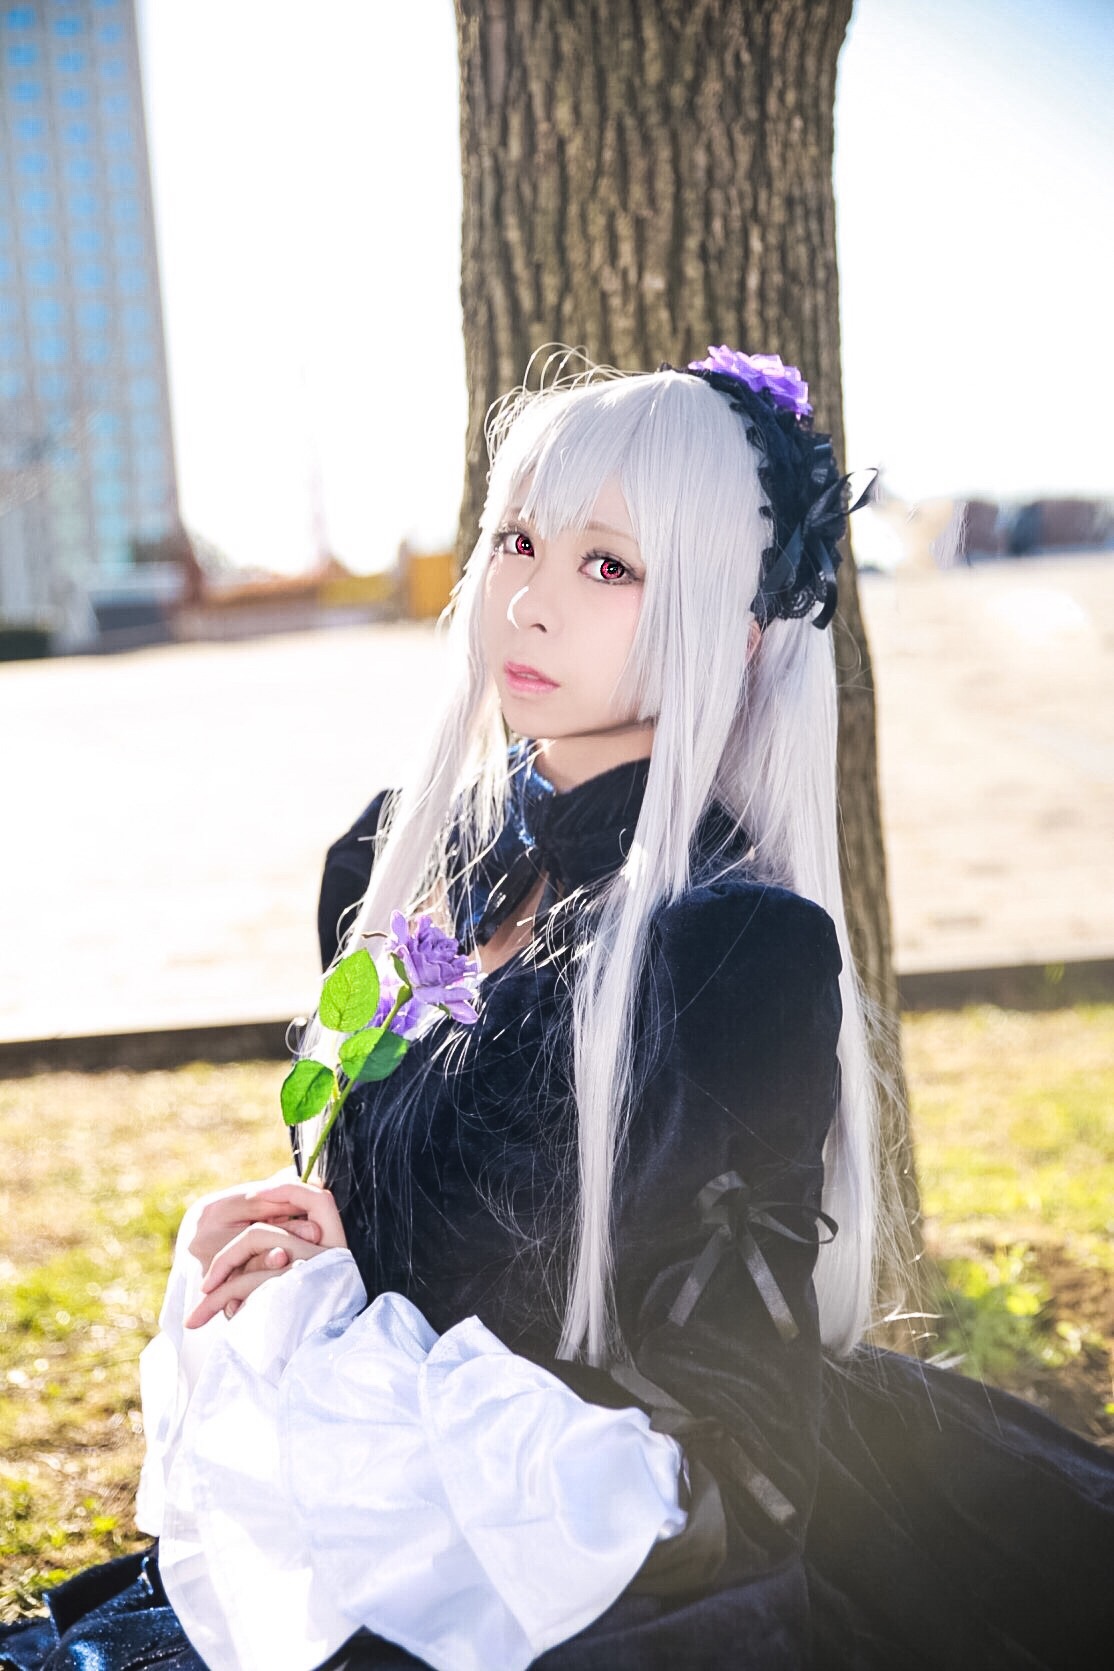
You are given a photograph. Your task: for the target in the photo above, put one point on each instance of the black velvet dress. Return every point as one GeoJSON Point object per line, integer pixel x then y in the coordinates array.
{"type": "Point", "coordinates": [877, 1515]}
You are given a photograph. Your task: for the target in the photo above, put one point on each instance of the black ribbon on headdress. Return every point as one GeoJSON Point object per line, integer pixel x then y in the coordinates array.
{"type": "Point", "coordinates": [809, 503]}
{"type": "Point", "coordinates": [805, 568]}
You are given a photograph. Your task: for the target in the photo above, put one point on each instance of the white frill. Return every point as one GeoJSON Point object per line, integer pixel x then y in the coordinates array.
{"type": "Point", "coordinates": [313, 1467]}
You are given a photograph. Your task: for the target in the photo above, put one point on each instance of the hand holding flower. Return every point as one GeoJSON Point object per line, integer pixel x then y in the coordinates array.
{"type": "Point", "coordinates": [223, 1215]}
{"type": "Point", "coordinates": [266, 1248]}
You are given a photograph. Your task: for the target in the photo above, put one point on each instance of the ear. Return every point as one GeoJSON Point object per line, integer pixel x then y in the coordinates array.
{"type": "Point", "coordinates": [754, 639]}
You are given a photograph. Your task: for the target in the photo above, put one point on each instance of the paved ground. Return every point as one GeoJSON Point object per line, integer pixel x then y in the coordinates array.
{"type": "Point", "coordinates": [167, 810]}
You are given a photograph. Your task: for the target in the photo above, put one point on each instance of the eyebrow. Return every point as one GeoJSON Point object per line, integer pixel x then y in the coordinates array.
{"type": "Point", "coordinates": [589, 527]}
{"type": "Point", "coordinates": [606, 528]}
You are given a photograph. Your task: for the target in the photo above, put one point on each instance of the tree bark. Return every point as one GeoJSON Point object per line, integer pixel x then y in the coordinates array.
{"type": "Point", "coordinates": [643, 178]}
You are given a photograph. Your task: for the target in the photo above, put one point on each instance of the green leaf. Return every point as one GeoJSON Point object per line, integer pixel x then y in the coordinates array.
{"type": "Point", "coordinates": [355, 1051]}
{"type": "Point", "coordinates": [383, 1061]}
{"type": "Point", "coordinates": [307, 1089]}
{"type": "Point", "coordinates": [350, 996]}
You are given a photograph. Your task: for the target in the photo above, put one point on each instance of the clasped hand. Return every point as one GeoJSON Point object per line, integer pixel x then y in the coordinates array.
{"type": "Point", "coordinates": [245, 1236]}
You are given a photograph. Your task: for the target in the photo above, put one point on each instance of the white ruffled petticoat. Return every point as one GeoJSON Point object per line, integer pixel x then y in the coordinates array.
{"type": "Point", "coordinates": [313, 1467]}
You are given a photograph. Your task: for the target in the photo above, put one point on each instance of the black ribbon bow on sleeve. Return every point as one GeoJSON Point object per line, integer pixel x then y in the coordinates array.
{"type": "Point", "coordinates": [728, 1206]}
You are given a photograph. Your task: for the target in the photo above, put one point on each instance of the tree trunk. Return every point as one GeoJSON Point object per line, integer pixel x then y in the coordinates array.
{"type": "Point", "coordinates": [643, 178]}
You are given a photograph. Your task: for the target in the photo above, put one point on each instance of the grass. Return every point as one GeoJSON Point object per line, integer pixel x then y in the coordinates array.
{"type": "Point", "coordinates": [1016, 1162]}
{"type": "Point", "coordinates": [1015, 1147]}
{"type": "Point", "coordinates": [98, 1171]}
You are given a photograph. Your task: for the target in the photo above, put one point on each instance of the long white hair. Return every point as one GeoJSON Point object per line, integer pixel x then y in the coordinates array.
{"type": "Point", "coordinates": [756, 735]}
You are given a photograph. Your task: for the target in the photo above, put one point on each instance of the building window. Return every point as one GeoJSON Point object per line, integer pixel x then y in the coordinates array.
{"type": "Point", "coordinates": [94, 351]}
{"type": "Point", "coordinates": [69, 26]}
{"type": "Point", "coordinates": [146, 425]}
{"type": "Point", "coordinates": [93, 316]}
{"type": "Point", "coordinates": [27, 92]}
{"type": "Point", "coordinates": [73, 98]}
{"type": "Point", "coordinates": [33, 164]}
{"type": "Point", "coordinates": [45, 310]}
{"type": "Point", "coordinates": [82, 203]}
{"type": "Point", "coordinates": [77, 133]}
{"type": "Point", "coordinates": [54, 387]}
{"type": "Point", "coordinates": [122, 175]}
{"type": "Point", "coordinates": [48, 348]}
{"type": "Point", "coordinates": [108, 493]}
{"type": "Point", "coordinates": [7, 270]}
{"type": "Point", "coordinates": [111, 524]}
{"type": "Point", "coordinates": [12, 385]}
{"type": "Point", "coordinates": [21, 17]}
{"type": "Point", "coordinates": [129, 246]}
{"type": "Point", "coordinates": [123, 210]}
{"type": "Point", "coordinates": [108, 458]}
{"type": "Point", "coordinates": [132, 281]}
{"type": "Point", "coordinates": [11, 348]}
{"type": "Point", "coordinates": [72, 62]}
{"type": "Point", "coordinates": [43, 272]}
{"type": "Point", "coordinates": [30, 128]}
{"type": "Point", "coordinates": [143, 392]}
{"type": "Point", "coordinates": [138, 352]}
{"type": "Point", "coordinates": [88, 239]}
{"type": "Point", "coordinates": [105, 423]}
{"type": "Point", "coordinates": [34, 200]}
{"type": "Point", "coordinates": [90, 275]}
{"type": "Point", "coordinates": [149, 461]}
{"type": "Point", "coordinates": [21, 55]}
{"type": "Point", "coordinates": [116, 104]}
{"type": "Point", "coordinates": [80, 170]}
{"type": "Point", "coordinates": [118, 138]}
{"type": "Point", "coordinates": [39, 235]}
{"type": "Point", "coordinates": [112, 69]}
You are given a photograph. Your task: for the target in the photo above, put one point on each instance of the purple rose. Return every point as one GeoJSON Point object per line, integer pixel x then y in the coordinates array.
{"type": "Point", "coordinates": [760, 371]}
{"type": "Point", "coordinates": [436, 972]}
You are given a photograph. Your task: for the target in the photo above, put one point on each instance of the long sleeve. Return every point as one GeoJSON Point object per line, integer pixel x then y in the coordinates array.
{"type": "Point", "coordinates": [320, 1467]}
{"type": "Point", "coordinates": [720, 1217]}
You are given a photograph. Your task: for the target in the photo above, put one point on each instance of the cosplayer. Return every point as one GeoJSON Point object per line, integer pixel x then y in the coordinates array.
{"type": "Point", "coordinates": [564, 1366]}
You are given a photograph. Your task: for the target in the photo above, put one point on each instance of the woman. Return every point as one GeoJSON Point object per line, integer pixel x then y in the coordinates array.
{"type": "Point", "coordinates": [611, 1229]}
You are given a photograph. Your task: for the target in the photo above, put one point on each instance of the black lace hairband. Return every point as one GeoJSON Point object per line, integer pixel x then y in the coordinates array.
{"type": "Point", "coordinates": [809, 501]}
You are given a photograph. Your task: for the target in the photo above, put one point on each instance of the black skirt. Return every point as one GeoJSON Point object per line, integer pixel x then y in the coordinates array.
{"type": "Point", "coordinates": [956, 1528]}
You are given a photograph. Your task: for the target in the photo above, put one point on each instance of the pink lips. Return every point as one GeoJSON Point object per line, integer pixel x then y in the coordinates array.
{"type": "Point", "coordinates": [526, 680]}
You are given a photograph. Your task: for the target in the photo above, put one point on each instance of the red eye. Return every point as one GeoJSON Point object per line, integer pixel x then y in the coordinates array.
{"type": "Point", "coordinates": [522, 546]}
{"type": "Point", "coordinates": [609, 570]}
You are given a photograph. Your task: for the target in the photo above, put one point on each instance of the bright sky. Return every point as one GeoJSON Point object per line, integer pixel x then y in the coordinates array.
{"type": "Point", "coordinates": [305, 163]}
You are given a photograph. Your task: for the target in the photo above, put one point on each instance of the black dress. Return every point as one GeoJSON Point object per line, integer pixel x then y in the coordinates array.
{"type": "Point", "coordinates": [877, 1515]}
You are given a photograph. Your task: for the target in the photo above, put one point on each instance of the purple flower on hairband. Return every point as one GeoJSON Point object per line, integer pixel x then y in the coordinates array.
{"type": "Point", "coordinates": [784, 384]}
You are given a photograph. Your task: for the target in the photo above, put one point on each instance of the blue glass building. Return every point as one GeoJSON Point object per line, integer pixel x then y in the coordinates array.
{"type": "Point", "coordinates": [86, 457]}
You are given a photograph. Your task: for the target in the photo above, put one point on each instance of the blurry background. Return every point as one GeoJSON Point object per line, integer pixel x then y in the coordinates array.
{"type": "Point", "coordinates": [297, 253]}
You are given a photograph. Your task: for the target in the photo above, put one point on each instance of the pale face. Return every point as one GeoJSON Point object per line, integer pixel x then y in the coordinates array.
{"type": "Point", "coordinates": [559, 618]}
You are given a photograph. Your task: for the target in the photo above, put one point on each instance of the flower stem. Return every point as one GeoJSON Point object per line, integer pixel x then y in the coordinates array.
{"type": "Point", "coordinates": [404, 994]}
{"type": "Point", "coordinates": [330, 1121]}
